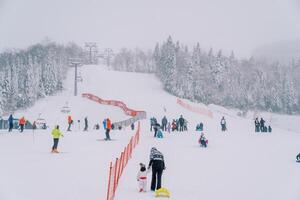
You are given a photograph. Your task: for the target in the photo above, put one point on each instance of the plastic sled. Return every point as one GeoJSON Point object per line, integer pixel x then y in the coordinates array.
{"type": "Point", "coordinates": [162, 192]}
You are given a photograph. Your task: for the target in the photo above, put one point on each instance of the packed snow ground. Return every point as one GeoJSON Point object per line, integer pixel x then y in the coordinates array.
{"type": "Point", "coordinates": [238, 164]}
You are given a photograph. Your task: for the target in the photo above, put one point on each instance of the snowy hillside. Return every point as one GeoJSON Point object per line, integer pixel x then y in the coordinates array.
{"type": "Point", "coordinates": [238, 164]}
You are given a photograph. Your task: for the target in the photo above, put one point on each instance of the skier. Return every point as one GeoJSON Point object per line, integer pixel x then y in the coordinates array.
{"type": "Point", "coordinates": [85, 124]}
{"type": "Point", "coordinates": [70, 122]}
{"type": "Point", "coordinates": [203, 141]}
{"type": "Point", "coordinates": [164, 122]}
{"type": "Point", "coordinates": [108, 127]}
{"type": "Point", "coordinates": [142, 178]}
{"type": "Point", "coordinates": [262, 124]}
{"type": "Point", "coordinates": [10, 123]}
{"type": "Point", "coordinates": [181, 123]}
{"type": "Point", "coordinates": [158, 165]}
{"type": "Point", "coordinates": [132, 126]}
{"type": "Point", "coordinates": [223, 124]}
{"type": "Point", "coordinates": [256, 122]}
{"type": "Point", "coordinates": [22, 123]}
{"type": "Point", "coordinates": [56, 135]}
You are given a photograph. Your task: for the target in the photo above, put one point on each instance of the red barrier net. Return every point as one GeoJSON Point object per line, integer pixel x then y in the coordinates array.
{"type": "Point", "coordinates": [116, 168]}
{"type": "Point", "coordinates": [119, 104]}
{"type": "Point", "coordinates": [199, 110]}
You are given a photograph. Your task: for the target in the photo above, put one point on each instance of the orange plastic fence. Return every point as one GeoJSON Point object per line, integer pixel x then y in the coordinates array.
{"type": "Point", "coordinates": [119, 104]}
{"type": "Point", "coordinates": [201, 111]}
{"type": "Point", "coordinates": [116, 168]}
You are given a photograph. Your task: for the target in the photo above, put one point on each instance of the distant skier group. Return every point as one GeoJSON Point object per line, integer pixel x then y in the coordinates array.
{"type": "Point", "coordinates": [179, 124]}
{"type": "Point", "coordinates": [260, 126]}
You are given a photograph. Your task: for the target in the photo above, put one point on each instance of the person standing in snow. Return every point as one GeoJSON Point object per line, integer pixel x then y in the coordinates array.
{"type": "Point", "coordinates": [158, 165]}
{"type": "Point", "coordinates": [108, 127]}
{"type": "Point", "coordinates": [85, 124]}
{"type": "Point", "coordinates": [153, 121]}
{"type": "Point", "coordinates": [164, 123]}
{"type": "Point", "coordinates": [56, 135]}
{"type": "Point", "coordinates": [142, 178]}
{"type": "Point", "coordinates": [70, 122]}
{"type": "Point", "coordinates": [262, 124]}
{"type": "Point", "coordinates": [132, 126]}
{"type": "Point", "coordinates": [223, 124]}
{"type": "Point", "coordinates": [22, 123]}
{"type": "Point", "coordinates": [174, 126]}
{"type": "Point", "coordinates": [257, 124]}
{"type": "Point", "coordinates": [185, 125]}
{"type": "Point", "coordinates": [10, 123]}
{"type": "Point", "coordinates": [104, 124]}
{"type": "Point", "coordinates": [169, 127]}
{"type": "Point", "coordinates": [181, 123]}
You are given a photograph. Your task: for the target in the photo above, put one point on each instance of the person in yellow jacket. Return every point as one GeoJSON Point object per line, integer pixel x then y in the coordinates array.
{"type": "Point", "coordinates": [56, 135]}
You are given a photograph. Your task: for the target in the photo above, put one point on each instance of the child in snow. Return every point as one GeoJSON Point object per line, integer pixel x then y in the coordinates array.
{"type": "Point", "coordinates": [169, 127]}
{"type": "Point", "coordinates": [142, 178]}
{"type": "Point", "coordinates": [203, 141]}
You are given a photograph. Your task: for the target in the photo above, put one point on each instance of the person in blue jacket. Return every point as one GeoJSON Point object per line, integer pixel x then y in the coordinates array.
{"type": "Point", "coordinates": [104, 124]}
{"type": "Point", "coordinates": [10, 123]}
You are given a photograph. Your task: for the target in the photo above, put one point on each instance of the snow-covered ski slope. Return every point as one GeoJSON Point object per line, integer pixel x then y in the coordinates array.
{"type": "Point", "coordinates": [236, 165]}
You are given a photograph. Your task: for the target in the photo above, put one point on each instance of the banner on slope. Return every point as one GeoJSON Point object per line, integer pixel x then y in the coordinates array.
{"type": "Point", "coordinates": [135, 115]}
{"type": "Point", "coordinates": [198, 110]}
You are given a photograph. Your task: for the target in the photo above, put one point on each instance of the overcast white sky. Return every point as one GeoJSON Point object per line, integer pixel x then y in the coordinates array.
{"type": "Point", "coordinates": [239, 25]}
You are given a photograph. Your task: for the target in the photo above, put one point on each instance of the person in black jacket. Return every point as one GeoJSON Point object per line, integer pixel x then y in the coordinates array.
{"type": "Point", "coordinates": [257, 124]}
{"type": "Point", "coordinates": [262, 124]}
{"type": "Point", "coordinates": [86, 124]}
{"type": "Point", "coordinates": [181, 123]}
{"type": "Point", "coordinates": [158, 165]}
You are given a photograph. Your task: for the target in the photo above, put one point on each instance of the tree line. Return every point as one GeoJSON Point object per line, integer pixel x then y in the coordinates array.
{"type": "Point", "coordinates": [208, 77]}
{"type": "Point", "coordinates": [30, 74]}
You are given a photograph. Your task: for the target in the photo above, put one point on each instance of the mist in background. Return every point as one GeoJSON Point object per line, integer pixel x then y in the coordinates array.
{"type": "Point", "coordinates": [238, 25]}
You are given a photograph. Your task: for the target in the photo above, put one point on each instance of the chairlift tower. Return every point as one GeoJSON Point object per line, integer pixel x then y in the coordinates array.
{"type": "Point", "coordinates": [92, 50]}
{"type": "Point", "coordinates": [75, 62]}
{"type": "Point", "coordinates": [108, 53]}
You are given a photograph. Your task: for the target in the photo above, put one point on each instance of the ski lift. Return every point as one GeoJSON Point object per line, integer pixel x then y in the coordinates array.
{"type": "Point", "coordinates": [65, 108]}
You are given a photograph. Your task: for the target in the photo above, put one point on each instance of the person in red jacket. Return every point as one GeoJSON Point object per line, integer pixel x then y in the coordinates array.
{"type": "Point", "coordinates": [22, 123]}
{"type": "Point", "coordinates": [70, 122]}
{"type": "Point", "coordinates": [108, 127]}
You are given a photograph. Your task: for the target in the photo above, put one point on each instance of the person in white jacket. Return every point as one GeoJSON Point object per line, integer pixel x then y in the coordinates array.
{"type": "Point", "coordinates": [142, 178]}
